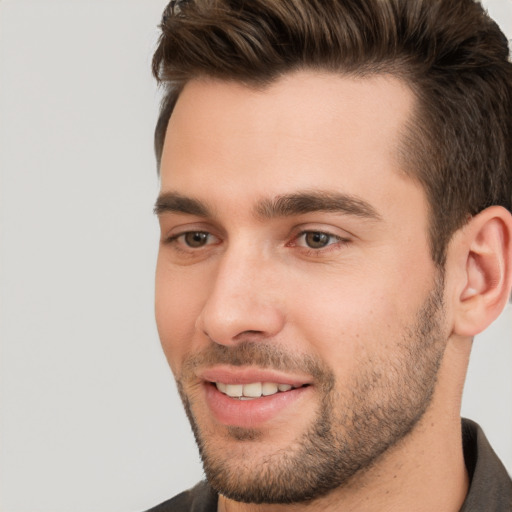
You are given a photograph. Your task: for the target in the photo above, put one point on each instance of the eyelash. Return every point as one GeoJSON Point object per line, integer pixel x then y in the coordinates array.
{"type": "Point", "coordinates": [335, 242]}
{"type": "Point", "coordinates": [174, 240]}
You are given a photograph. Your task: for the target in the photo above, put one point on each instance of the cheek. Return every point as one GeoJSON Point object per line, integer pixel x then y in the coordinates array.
{"type": "Point", "coordinates": [352, 319]}
{"type": "Point", "coordinates": [177, 306]}
{"type": "Point", "coordinates": [345, 327]}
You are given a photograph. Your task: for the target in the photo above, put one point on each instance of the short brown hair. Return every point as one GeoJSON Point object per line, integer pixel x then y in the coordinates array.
{"type": "Point", "coordinates": [450, 53]}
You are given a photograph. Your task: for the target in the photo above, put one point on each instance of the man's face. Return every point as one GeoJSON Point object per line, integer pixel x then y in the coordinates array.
{"type": "Point", "coordinates": [294, 269]}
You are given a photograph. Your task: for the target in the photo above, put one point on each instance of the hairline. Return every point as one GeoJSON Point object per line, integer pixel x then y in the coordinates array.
{"type": "Point", "coordinates": [173, 90]}
{"type": "Point", "coordinates": [411, 160]}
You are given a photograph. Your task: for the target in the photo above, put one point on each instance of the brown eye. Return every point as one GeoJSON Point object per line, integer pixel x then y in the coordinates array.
{"type": "Point", "coordinates": [196, 239]}
{"type": "Point", "coordinates": [317, 239]}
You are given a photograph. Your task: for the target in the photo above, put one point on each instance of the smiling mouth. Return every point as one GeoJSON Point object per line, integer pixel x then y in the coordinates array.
{"type": "Point", "coordinates": [253, 390]}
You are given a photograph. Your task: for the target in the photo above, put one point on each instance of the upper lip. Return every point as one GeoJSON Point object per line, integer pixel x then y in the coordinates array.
{"type": "Point", "coordinates": [247, 375]}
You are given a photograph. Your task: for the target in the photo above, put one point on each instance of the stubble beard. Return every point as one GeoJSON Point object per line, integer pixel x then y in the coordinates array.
{"type": "Point", "coordinates": [349, 434]}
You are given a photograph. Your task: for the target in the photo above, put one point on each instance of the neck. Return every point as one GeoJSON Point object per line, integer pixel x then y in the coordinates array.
{"type": "Point", "coordinates": [425, 471]}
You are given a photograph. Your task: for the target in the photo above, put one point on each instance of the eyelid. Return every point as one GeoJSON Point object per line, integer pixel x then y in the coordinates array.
{"type": "Point", "coordinates": [176, 225]}
{"type": "Point", "coordinates": [171, 232]}
{"type": "Point", "coordinates": [301, 234]}
{"type": "Point", "coordinates": [175, 237]}
{"type": "Point", "coordinates": [330, 230]}
{"type": "Point", "coordinates": [323, 232]}
{"type": "Point", "coordinates": [339, 239]}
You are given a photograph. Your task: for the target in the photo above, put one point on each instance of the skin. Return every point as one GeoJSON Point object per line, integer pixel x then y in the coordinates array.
{"type": "Point", "coordinates": [351, 306]}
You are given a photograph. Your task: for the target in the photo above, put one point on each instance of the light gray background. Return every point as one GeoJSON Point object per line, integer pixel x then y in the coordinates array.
{"type": "Point", "coordinates": [89, 418]}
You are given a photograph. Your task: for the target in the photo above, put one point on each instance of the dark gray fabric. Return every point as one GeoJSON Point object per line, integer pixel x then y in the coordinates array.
{"type": "Point", "coordinates": [200, 498]}
{"type": "Point", "coordinates": [490, 489]}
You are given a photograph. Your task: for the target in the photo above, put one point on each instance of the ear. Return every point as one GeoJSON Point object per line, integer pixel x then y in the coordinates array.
{"type": "Point", "coordinates": [485, 253]}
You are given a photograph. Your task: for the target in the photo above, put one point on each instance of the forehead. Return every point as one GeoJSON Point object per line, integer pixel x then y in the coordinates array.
{"type": "Point", "coordinates": [306, 130]}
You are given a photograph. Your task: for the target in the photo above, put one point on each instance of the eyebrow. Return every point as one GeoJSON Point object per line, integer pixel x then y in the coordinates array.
{"type": "Point", "coordinates": [316, 201]}
{"type": "Point", "coordinates": [287, 205]}
{"type": "Point", "coordinates": [176, 203]}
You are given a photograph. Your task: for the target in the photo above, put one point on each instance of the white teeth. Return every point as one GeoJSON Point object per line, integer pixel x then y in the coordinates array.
{"type": "Point", "coordinates": [269, 388]}
{"type": "Point", "coordinates": [234, 390]}
{"type": "Point", "coordinates": [252, 390]}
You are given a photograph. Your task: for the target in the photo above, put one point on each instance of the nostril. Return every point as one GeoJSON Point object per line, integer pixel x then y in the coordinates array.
{"type": "Point", "coordinates": [248, 335]}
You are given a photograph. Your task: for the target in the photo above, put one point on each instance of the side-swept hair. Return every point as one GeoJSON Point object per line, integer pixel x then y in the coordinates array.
{"type": "Point", "coordinates": [455, 59]}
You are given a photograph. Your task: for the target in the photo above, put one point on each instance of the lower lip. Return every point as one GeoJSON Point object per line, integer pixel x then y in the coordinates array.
{"type": "Point", "coordinates": [249, 413]}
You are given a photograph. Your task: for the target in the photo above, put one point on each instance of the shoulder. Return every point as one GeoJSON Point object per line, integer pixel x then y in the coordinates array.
{"type": "Point", "coordinates": [201, 498]}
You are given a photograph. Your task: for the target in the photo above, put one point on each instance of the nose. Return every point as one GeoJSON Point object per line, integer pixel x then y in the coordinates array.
{"type": "Point", "coordinates": [244, 300]}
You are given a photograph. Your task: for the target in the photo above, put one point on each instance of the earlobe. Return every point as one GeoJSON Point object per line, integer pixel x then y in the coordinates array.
{"type": "Point", "coordinates": [488, 270]}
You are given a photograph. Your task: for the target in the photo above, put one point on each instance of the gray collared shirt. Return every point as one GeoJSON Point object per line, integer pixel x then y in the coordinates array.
{"type": "Point", "coordinates": [491, 487]}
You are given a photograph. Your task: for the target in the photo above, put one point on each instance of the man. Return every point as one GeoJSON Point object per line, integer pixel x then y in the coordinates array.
{"type": "Point", "coordinates": [336, 188]}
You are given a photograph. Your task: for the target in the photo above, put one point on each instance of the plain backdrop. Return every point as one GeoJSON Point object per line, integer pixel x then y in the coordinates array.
{"type": "Point", "coordinates": [89, 419]}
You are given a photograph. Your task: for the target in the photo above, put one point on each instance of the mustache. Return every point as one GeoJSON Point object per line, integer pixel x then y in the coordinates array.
{"type": "Point", "coordinates": [259, 353]}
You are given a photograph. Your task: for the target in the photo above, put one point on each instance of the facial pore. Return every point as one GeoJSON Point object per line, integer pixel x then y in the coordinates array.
{"type": "Point", "coordinates": [355, 424]}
